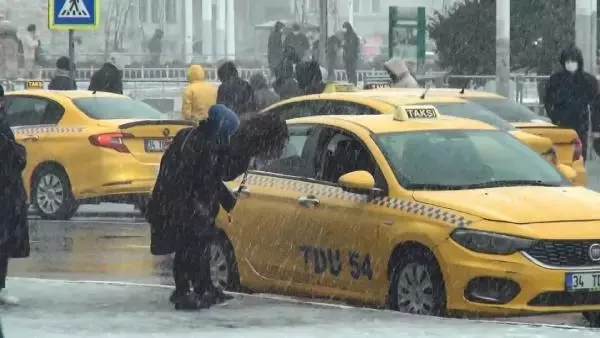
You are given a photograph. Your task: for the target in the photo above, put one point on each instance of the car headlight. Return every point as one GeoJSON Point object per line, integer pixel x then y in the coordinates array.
{"type": "Point", "coordinates": [489, 242]}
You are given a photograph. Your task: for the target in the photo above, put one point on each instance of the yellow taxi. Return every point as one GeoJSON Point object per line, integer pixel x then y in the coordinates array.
{"type": "Point", "coordinates": [372, 102]}
{"type": "Point", "coordinates": [87, 147]}
{"type": "Point", "coordinates": [417, 212]}
{"type": "Point", "coordinates": [567, 145]}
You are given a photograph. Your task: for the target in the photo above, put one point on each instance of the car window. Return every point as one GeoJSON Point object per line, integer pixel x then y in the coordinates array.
{"type": "Point", "coordinates": [465, 159]}
{"type": "Point", "coordinates": [300, 109]}
{"type": "Point", "coordinates": [509, 110]}
{"type": "Point", "coordinates": [469, 110]}
{"type": "Point", "coordinates": [297, 158]}
{"type": "Point", "coordinates": [116, 108]}
{"type": "Point", "coordinates": [336, 107]}
{"type": "Point", "coordinates": [339, 153]}
{"type": "Point", "coordinates": [28, 111]}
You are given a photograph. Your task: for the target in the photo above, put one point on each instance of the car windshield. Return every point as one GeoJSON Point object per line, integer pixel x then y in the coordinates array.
{"type": "Point", "coordinates": [116, 108]}
{"type": "Point", "coordinates": [465, 159]}
{"type": "Point", "coordinates": [473, 111]}
{"type": "Point", "coordinates": [509, 110]}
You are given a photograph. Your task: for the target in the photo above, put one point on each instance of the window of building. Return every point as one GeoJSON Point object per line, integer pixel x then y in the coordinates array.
{"type": "Point", "coordinates": [375, 6]}
{"type": "Point", "coordinates": [156, 9]}
{"type": "Point", "coordinates": [143, 10]}
{"type": "Point", "coordinates": [356, 6]}
{"type": "Point", "coordinates": [171, 11]}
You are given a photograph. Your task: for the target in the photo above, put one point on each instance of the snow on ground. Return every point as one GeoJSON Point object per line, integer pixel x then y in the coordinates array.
{"type": "Point", "coordinates": [55, 309]}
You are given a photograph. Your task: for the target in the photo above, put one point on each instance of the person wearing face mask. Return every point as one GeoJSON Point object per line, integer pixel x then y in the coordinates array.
{"type": "Point", "coordinates": [569, 94]}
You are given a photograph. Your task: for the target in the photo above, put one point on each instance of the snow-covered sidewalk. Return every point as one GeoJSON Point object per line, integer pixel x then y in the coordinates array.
{"type": "Point", "coordinates": [53, 309]}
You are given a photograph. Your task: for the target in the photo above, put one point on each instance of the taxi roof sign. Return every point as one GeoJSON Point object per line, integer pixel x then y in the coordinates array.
{"type": "Point", "coordinates": [34, 84]}
{"type": "Point", "coordinates": [406, 113]}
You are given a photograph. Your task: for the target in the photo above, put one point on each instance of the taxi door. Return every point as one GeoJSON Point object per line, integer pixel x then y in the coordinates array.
{"type": "Point", "coordinates": [344, 256]}
{"type": "Point", "coordinates": [28, 116]}
{"type": "Point", "coordinates": [265, 231]}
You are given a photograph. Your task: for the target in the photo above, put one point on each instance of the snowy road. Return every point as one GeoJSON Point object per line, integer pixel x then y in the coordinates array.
{"type": "Point", "coordinates": [129, 298]}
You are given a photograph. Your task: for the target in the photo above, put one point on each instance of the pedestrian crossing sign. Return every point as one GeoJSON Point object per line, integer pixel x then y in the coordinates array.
{"type": "Point", "coordinates": [73, 14]}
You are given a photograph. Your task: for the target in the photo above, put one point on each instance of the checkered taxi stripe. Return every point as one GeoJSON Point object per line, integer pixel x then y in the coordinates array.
{"type": "Point", "coordinates": [317, 189]}
{"type": "Point", "coordinates": [47, 129]}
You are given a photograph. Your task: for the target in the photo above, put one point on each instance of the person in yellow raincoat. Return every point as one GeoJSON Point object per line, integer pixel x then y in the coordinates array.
{"type": "Point", "coordinates": [198, 96]}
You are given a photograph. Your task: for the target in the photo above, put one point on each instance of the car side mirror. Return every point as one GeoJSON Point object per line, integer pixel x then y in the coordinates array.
{"type": "Point", "coordinates": [567, 171]}
{"type": "Point", "coordinates": [359, 182]}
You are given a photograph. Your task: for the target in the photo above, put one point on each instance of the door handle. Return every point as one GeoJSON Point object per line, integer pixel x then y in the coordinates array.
{"type": "Point", "coordinates": [309, 201]}
{"type": "Point", "coordinates": [242, 190]}
{"type": "Point", "coordinates": [31, 138]}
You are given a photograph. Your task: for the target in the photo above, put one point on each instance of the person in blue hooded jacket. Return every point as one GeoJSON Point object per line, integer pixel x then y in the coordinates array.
{"type": "Point", "coordinates": [185, 202]}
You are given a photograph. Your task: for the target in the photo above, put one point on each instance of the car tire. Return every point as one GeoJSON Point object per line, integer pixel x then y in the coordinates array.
{"type": "Point", "coordinates": [592, 317]}
{"type": "Point", "coordinates": [51, 194]}
{"type": "Point", "coordinates": [142, 204]}
{"type": "Point", "coordinates": [417, 285]}
{"type": "Point", "coordinates": [223, 265]}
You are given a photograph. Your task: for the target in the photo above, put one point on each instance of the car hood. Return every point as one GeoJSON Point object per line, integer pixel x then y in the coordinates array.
{"type": "Point", "coordinates": [520, 205]}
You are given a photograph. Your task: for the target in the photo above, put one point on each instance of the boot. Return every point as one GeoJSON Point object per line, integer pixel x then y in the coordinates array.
{"type": "Point", "coordinates": [188, 301]}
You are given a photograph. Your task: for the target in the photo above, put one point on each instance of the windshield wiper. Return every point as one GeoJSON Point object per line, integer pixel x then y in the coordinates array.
{"type": "Point", "coordinates": [511, 183]}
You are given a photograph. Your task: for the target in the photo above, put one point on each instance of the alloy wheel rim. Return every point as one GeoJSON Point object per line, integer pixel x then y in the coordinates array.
{"type": "Point", "coordinates": [50, 194]}
{"type": "Point", "coordinates": [415, 290]}
{"type": "Point", "coordinates": [219, 269]}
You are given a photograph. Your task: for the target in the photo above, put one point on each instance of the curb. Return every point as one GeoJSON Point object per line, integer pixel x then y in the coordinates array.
{"type": "Point", "coordinates": [122, 214]}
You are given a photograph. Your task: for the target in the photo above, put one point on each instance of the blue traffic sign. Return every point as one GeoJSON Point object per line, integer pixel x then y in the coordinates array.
{"type": "Point", "coordinates": [73, 14]}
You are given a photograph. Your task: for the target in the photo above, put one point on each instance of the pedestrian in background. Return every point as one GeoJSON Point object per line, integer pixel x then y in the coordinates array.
{"type": "Point", "coordinates": [333, 46]}
{"type": "Point", "coordinates": [310, 78]}
{"type": "Point", "coordinates": [351, 52]}
{"type": "Point", "coordinates": [285, 84]}
{"type": "Point", "coordinates": [185, 202]}
{"type": "Point", "coordinates": [109, 78]}
{"type": "Point", "coordinates": [9, 52]}
{"type": "Point", "coordinates": [264, 96]}
{"type": "Point", "coordinates": [235, 92]}
{"type": "Point", "coordinates": [14, 224]}
{"type": "Point", "coordinates": [275, 47]}
{"type": "Point", "coordinates": [298, 42]}
{"type": "Point", "coordinates": [198, 96]}
{"type": "Point", "coordinates": [62, 78]}
{"type": "Point", "coordinates": [400, 74]}
{"type": "Point", "coordinates": [31, 45]}
{"type": "Point", "coordinates": [155, 47]}
{"type": "Point", "coordinates": [569, 94]}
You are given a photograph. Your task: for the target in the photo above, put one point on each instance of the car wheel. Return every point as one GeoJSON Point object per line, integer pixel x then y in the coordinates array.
{"type": "Point", "coordinates": [51, 194]}
{"type": "Point", "coordinates": [223, 265]}
{"type": "Point", "coordinates": [417, 285]}
{"type": "Point", "coordinates": [593, 318]}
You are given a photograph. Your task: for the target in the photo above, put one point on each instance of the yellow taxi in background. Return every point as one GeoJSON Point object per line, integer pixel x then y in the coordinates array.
{"type": "Point", "coordinates": [84, 146]}
{"type": "Point", "coordinates": [375, 102]}
{"type": "Point", "coordinates": [415, 211]}
{"type": "Point", "coordinates": [567, 145]}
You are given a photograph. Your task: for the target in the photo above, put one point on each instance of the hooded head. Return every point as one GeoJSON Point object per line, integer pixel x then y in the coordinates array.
{"type": "Point", "coordinates": [195, 73]}
{"type": "Point", "coordinates": [308, 73]}
{"type": "Point", "coordinates": [227, 71]}
{"type": "Point", "coordinates": [63, 63]}
{"type": "Point", "coordinates": [397, 69]}
{"type": "Point", "coordinates": [279, 26]}
{"type": "Point", "coordinates": [258, 81]}
{"type": "Point", "coordinates": [223, 121]}
{"type": "Point", "coordinates": [31, 28]}
{"type": "Point", "coordinates": [159, 33]}
{"type": "Point", "coordinates": [296, 28]}
{"type": "Point", "coordinates": [347, 27]}
{"type": "Point", "coordinates": [571, 59]}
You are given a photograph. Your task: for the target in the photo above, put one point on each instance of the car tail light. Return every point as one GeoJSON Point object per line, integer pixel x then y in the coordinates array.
{"type": "Point", "coordinates": [577, 149]}
{"type": "Point", "coordinates": [551, 156]}
{"type": "Point", "coordinates": [111, 141]}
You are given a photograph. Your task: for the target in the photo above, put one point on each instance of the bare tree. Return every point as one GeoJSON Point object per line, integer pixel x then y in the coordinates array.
{"type": "Point", "coordinates": [115, 24]}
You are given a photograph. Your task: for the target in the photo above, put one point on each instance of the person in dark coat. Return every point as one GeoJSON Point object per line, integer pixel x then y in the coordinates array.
{"type": "Point", "coordinates": [275, 46]}
{"type": "Point", "coordinates": [310, 78]}
{"type": "Point", "coordinates": [351, 51]}
{"type": "Point", "coordinates": [62, 79]}
{"type": "Point", "coordinates": [333, 46]}
{"type": "Point", "coordinates": [14, 225]}
{"type": "Point", "coordinates": [297, 41]}
{"type": "Point", "coordinates": [108, 78]}
{"type": "Point", "coordinates": [185, 202]}
{"type": "Point", "coordinates": [285, 84]}
{"type": "Point", "coordinates": [155, 47]}
{"type": "Point", "coordinates": [234, 92]}
{"type": "Point", "coordinates": [264, 96]}
{"type": "Point", "coordinates": [569, 93]}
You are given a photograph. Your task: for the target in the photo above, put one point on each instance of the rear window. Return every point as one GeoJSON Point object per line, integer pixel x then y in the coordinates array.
{"type": "Point", "coordinates": [115, 108]}
{"type": "Point", "coordinates": [474, 111]}
{"type": "Point", "coordinates": [509, 110]}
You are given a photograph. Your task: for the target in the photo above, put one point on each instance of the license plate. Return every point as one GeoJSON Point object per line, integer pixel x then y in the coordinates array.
{"type": "Point", "coordinates": [156, 146]}
{"type": "Point", "coordinates": [577, 281]}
